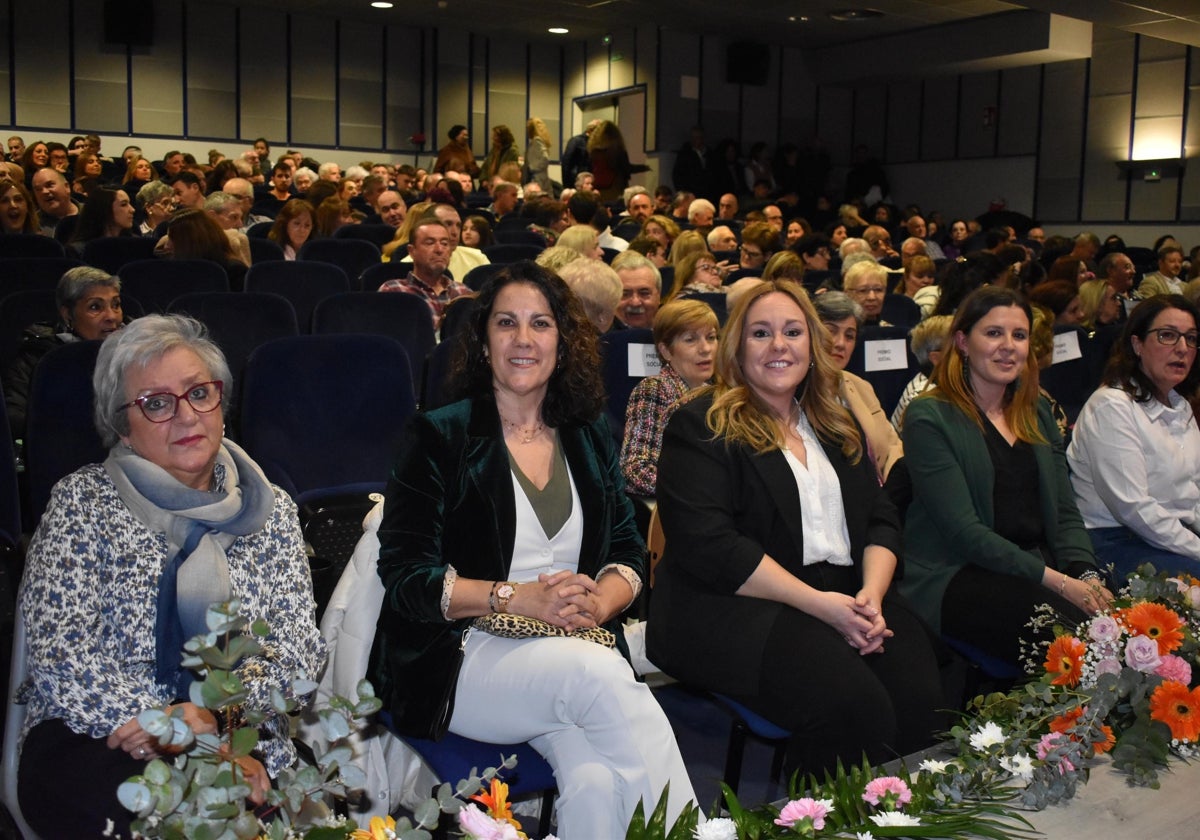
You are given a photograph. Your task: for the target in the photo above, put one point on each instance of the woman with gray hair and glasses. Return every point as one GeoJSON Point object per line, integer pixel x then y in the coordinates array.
{"type": "Point", "coordinates": [88, 301]}
{"type": "Point", "coordinates": [843, 318]}
{"type": "Point", "coordinates": [123, 567]}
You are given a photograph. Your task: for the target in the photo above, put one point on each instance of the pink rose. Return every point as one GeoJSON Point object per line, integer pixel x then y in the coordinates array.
{"type": "Point", "coordinates": [891, 790]}
{"type": "Point", "coordinates": [478, 825]}
{"type": "Point", "coordinates": [1051, 741]}
{"type": "Point", "coordinates": [1104, 629]}
{"type": "Point", "coordinates": [1193, 595]}
{"type": "Point", "coordinates": [1108, 665]}
{"type": "Point", "coordinates": [1141, 654]}
{"type": "Point", "coordinates": [1175, 668]}
{"type": "Point", "coordinates": [806, 808]}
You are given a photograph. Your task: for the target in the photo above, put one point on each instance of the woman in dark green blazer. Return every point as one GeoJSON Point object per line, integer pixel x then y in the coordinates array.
{"type": "Point", "coordinates": [992, 530]}
{"type": "Point", "coordinates": [511, 500]}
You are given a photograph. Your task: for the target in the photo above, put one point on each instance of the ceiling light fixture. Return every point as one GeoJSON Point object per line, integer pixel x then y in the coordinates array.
{"type": "Point", "coordinates": [558, 30]}
{"type": "Point", "coordinates": [382, 4]}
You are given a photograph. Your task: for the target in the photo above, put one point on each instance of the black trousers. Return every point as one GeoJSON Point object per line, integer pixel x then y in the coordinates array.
{"type": "Point", "coordinates": [991, 611]}
{"type": "Point", "coordinates": [67, 783]}
{"type": "Point", "coordinates": [839, 704]}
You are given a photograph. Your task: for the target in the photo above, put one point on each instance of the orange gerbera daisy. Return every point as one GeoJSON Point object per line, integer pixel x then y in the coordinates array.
{"type": "Point", "coordinates": [1156, 622]}
{"type": "Point", "coordinates": [496, 802]}
{"type": "Point", "coordinates": [1065, 658]}
{"type": "Point", "coordinates": [1110, 741]}
{"type": "Point", "coordinates": [1179, 708]}
{"type": "Point", "coordinates": [1065, 722]}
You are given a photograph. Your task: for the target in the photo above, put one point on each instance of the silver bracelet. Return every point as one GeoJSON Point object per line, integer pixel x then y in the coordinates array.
{"type": "Point", "coordinates": [1091, 575]}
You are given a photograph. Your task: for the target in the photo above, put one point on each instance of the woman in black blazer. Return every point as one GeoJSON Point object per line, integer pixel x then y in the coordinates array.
{"type": "Point", "coordinates": [781, 548]}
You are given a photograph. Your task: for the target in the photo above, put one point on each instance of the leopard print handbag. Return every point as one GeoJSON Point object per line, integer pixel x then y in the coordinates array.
{"type": "Point", "coordinates": [510, 626]}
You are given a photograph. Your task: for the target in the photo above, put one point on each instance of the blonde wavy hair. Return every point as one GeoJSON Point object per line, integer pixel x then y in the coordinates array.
{"type": "Point", "coordinates": [740, 415]}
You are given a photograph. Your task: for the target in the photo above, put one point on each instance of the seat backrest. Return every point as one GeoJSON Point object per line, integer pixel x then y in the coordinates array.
{"type": "Point", "coordinates": [60, 436]}
{"type": "Point", "coordinates": [17, 311]}
{"type": "Point", "coordinates": [900, 310]}
{"type": "Point", "coordinates": [325, 413]}
{"type": "Point", "coordinates": [20, 273]}
{"type": "Point", "coordinates": [1075, 373]}
{"type": "Point", "coordinates": [263, 250]}
{"type": "Point", "coordinates": [239, 322]}
{"type": "Point", "coordinates": [259, 230]}
{"type": "Point", "coordinates": [511, 253]}
{"type": "Point", "coordinates": [480, 274]}
{"type": "Point", "coordinates": [519, 236]}
{"type": "Point", "coordinates": [377, 275]}
{"type": "Point", "coordinates": [303, 282]}
{"type": "Point", "coordinates": [112, 252]}
{"type": "Point", "coordinates": [379, 235]}
{"type": "Point", "coordinates": [155, 283]}
{"type": "Point", "coordinates": [10, 505]}
{"type": "Point", "coordinates": [883, 358]}
{"type": "Point", "coordinates": [24, 245]}
{"type": "Point", "coordinates": [353, 256]}
{"type": "Point", "coordinates": [397, 315]}
{"type": "Point", "coordinates": [624, 369]}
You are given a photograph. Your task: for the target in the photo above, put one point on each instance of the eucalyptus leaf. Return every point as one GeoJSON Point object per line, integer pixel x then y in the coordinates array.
{"type": "Point", "coordinates": [333, 725]}
{"type": "Point", "coordinates": [157, 772]}
{"type": "Point", "coordinates": [352, 776]}
{"type": "Point", "coordinates": [135, 796]}
{"type": "Point", "coordinates": [338, 755]}
{"type": "Point", "coordinates": [364, 689]}
{"type": "Point", "coordinates": [243, 741]}
{"type": "Point", "coordinates": [427, 813]}
{"type": "Point", "coordinates": [155, 722]}
{"type": "Point", "coordinates": [302, 687]}
{"type": "Point", "coordinates": [366, 707]}
{"type": "Point", "coordinates": [260, 628]}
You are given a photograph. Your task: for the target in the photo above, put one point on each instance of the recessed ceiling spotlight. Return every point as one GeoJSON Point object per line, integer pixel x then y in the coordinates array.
{"type": "Point", "coordinates": [558, 30]}
{"type": "Point", "coordinates": [855, 14]}
{"type": "Point", "coordinates": [798, 18]}
{"type": "Point", "coordinates": [382, 4]}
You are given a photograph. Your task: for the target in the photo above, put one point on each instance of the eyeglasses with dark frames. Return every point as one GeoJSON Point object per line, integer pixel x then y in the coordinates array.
{"type": "Point", "coordinates": [161, 407]}
{"type": "Point", "coordinates": [1170, 337]}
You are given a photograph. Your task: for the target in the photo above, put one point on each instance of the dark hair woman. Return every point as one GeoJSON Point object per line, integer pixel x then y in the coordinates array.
{"type": "Point", "coordinates": [542, 462]}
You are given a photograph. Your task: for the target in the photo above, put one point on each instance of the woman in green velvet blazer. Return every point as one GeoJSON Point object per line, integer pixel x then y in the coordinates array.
{"type": "Point", "coordinates": [992, 529]}
{"type": "Point", "coordinates": [511, 500]}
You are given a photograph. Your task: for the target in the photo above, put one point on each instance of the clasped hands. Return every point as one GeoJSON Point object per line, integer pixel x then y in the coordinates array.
{"type": "Point", "coordinates": [858, 619]}
{"type": "Point", "coordinates": [140, 744]}
{"type": "Point", "coordinates": [565, 599]}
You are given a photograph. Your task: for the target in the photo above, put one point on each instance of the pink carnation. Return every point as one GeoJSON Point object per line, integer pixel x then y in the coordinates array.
{"type": "Point", "coordinates": [1175, 668]}
{"type": "Point", "coordinates": [889, 789]}
{"type": "Point", "coordinates": [799, 809]}
{"type": "Point", "coordinates": [1050, 741]}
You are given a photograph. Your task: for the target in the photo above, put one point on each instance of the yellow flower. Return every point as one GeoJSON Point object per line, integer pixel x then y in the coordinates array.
{"type": "Point", "coordinates": [380, 828]}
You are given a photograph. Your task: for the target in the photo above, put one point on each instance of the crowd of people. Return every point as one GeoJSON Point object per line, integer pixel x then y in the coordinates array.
{"type": "Point", "coordinates": [805, 520]}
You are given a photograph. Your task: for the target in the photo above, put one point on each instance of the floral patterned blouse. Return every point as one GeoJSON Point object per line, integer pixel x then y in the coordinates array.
{"type": "Point", "coordinates": [88, 598]}
{"type": "Point", "coordinates": [651, 405]}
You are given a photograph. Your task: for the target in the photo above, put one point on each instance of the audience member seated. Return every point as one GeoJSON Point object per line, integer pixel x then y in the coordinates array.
{"type": "Point", "coordinates": [1169, 277]}
{"type": "Point", "coordinates": [918, 273]}
{"type": "Point", "coordinates": [685, 336]}
{"type": "Point", "coordinates": [293, 227]}
{"type": "Point", "coordinates": [781, 548]}
{"type": "Point", "coordinates": [53, 197]}
{"type": "Point", "coordinates": [1100, 304]}
{"type": "Point", "coordinates": [697, 273]}
{"type": "Point", "coordinates": [477, 233]}
{"type": "Point", "coordinates": [429, 251]}
{"type": "Point", "coordinates": [544, 464]}
{"type": "Point", "coordinates": [641, 290]}
{"type": "Point", "coordinates": [595, 284]}
{"type": "Point", "coordinates": [662, 230]}
{"type": "Point", "coordinates": [1135, 454]}
{"type": "Point", "coordinates": [1062, 298]}
{"type": "Point", "coordinates": [194, 235]}
{"type": "Point", "coordinates": [89, 308]}
{"type": "Point", "coordinates": [100, 653]}
{"type": "Point", "coordinates": [138, 173]}
{"type": "Point", "coordinates": [17, 211]}
{"type": "Point", "coordinates": [759, 242]}
{"type": "Point", "coordinates": [841, 317]}
{"type": "Point", "coordinates": [867, 283]}
{"type": "Point", "coordinates": [157, 201]}
{"type": "Point", "coordinates": [926, 340]}
{"type": "Point", "coordinates": [583, 238]}
{"type": "Point", "coordinates": [106, 213]}
{"type": "Point", "coordinates": [993, 529]}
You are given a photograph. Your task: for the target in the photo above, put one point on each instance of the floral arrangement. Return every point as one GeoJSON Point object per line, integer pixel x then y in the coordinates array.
{"type": "Point", "coordinates": [201, 793]}
{"type": "Point", "coordinates": [1120, 683]}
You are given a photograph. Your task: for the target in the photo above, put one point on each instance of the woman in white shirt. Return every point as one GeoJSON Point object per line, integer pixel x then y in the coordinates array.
{"type": "Point", "coordinates": [1135, 455]}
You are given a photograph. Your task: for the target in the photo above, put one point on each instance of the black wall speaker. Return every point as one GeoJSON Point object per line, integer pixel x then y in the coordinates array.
{"type": "Point", "coordinates": [129, 22]}
{"type": "Point", "coordinates": [747, 63]}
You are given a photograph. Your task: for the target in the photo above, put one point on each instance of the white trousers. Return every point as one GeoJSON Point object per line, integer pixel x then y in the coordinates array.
{"type": "Point", "coordinates": [578, 704]}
